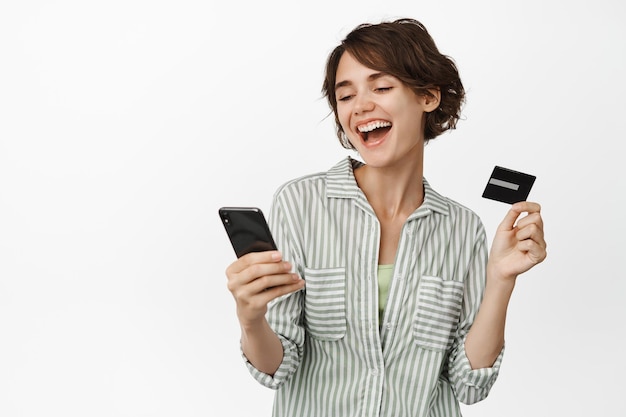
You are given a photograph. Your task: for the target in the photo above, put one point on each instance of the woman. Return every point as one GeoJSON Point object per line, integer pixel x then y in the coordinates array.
{"type": "Point", "coordinates": [403, 312]}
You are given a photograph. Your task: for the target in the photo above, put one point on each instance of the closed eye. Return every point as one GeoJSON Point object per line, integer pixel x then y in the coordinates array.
{"type": "Point", "coordinates": [345, 98]}
{"type": "Point", "coordinates": [382, 89]}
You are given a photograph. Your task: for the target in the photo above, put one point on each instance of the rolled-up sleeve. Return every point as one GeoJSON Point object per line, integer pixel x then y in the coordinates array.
{"type": "Point", "coordinates": [472, 385]}
{"type": "Point", "coordinates": [291, 360]}
{"type": "Point", "coordinates": [284, 313]}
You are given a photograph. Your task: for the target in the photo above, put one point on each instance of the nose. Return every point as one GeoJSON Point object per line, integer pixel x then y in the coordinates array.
{"type": "Point", "coordinates": [363, 103]}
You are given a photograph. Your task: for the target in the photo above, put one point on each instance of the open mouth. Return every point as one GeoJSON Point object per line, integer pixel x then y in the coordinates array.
{"type": "Point", "coordinates": [374, 130]}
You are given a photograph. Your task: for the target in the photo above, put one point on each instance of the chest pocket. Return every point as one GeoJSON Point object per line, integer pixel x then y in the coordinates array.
{"type": "Point", "coordinates": [438, 312]}
{"type": "Point", "coordinates": [325, 303]}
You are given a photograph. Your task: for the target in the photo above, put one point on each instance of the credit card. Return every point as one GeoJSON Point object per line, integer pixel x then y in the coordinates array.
{"type": "Point", "coordinates": [508, 186]}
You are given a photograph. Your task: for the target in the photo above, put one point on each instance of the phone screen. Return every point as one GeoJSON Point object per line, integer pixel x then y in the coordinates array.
{"type": "Point", "coordinates": [247, 229]}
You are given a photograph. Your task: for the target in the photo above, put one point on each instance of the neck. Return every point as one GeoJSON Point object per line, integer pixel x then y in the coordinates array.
{"type": "Point", "coordinates": [393, 192]}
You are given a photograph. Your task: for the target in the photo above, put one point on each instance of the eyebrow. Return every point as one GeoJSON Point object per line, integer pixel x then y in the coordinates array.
{"type": "Point", "coordinates": [372, 77]}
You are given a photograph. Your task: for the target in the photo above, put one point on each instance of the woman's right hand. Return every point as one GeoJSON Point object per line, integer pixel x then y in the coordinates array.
{"type": "Point", "coordinates": [256, 279]}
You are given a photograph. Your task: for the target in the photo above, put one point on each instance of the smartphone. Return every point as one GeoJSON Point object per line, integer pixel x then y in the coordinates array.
{"type": "Point", "coordinates": [247, 229]}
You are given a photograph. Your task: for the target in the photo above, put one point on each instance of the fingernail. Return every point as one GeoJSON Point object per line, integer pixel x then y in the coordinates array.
{"type": "Point", "coordinates": [276, 256]}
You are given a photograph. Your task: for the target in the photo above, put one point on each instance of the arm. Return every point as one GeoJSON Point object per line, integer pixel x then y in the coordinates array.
{"type": "Point", "coordinates": [516, 248]}
{"type": "Point", "coordinates": [262, 347]}
{"type": "Point", "coordinates": [255, 280]}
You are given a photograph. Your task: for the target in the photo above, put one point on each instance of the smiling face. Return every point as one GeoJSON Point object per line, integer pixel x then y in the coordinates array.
{"type": "Point", "coordinates": [381, 116]}
{"type": "Point", "coordinates": [404, 49]}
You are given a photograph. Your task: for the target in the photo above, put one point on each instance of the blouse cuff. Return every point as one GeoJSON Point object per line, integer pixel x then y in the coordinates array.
{"type": "Point", "coordinates": [285, 370]}
{"type": "Point", "coordinates": [482, 378]}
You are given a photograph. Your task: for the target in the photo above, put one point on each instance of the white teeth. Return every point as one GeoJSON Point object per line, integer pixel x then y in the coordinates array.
{"type": "Point", "coordinates": [373, 125]}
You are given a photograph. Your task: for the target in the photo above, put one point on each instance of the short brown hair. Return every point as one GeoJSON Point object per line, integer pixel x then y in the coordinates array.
{"type": "Point", "coordinates": [404, 49]}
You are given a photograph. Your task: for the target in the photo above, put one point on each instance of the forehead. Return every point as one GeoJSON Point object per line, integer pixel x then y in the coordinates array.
{"type": "Point", "coordinates": [350, 70]}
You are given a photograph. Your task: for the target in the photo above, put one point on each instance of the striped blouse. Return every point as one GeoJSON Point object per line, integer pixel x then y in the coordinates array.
{"type": "Point", "coordinates": [337, 361]}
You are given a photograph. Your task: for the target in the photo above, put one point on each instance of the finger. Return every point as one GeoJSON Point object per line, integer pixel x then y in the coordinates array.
{"type": "Point", "coordinates": [270, 281]}
{"type": "Point", "coordinates": [526, 207]}
{"type": "Point", "coordinates": [279, 291]}
{"type": "Point", "coordinates": [533, 251]}
{"type": "Point", "coordinates": [253, 258]}
{"type": "Point", "coordinates": [256, 271]}
{"type": "Point", "coordinates": [265, 289]}
{"type": "Point", "coordinates": [533, 233]}
{"type": "Point", "coordinates": [261, 300]}
{"type": "Point", "coordinates": [531, 219]}
{"type": "Point", "coordinates": [508, 223]}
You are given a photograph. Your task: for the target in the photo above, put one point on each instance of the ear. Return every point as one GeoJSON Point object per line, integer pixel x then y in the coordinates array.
{"type": "Point", "coordinates": [431, 100]}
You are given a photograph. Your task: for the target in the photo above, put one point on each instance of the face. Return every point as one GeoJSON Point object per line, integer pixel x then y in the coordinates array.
{"type": "Point", "coordinates": [382, 117]}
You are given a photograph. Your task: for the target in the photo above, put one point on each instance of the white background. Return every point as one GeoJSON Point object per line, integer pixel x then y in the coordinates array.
{"type": "Point", "coordinates": [124, 125]}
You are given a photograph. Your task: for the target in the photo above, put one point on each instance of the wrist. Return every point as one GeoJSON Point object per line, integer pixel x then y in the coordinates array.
{"type": "Point", "coordinates": [500, 281]}
{"type": "Point", "coordinates": [250, 327]}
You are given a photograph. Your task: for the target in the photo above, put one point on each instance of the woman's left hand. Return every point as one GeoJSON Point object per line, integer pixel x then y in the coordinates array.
{"type": "Point", "coordinates": [519, 242]}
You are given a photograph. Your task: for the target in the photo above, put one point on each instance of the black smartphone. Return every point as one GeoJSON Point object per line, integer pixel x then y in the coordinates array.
{"type": "Point", "coordinates": [247, 229]}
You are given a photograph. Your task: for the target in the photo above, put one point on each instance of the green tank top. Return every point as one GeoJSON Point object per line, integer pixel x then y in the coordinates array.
{"type": "Point", "coordinates": [385, 272]}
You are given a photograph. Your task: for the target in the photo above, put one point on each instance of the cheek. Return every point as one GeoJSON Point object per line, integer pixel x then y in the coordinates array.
{"type": "Point", "coordinates": [413, 115]}
{"type": "Point", "coordinates": [344, 119]}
